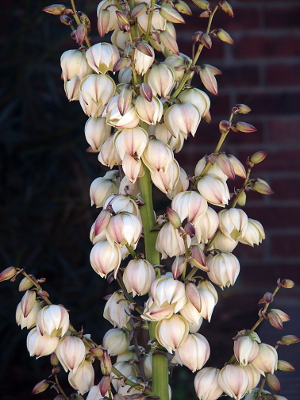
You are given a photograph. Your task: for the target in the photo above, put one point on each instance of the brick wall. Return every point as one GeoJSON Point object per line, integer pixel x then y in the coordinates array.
{"type": "Point", "coordinates": [261, 70]}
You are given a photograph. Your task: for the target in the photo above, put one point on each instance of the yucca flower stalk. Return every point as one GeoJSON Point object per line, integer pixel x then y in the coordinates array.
{"type": "Point", "coordinates": [142, 99]}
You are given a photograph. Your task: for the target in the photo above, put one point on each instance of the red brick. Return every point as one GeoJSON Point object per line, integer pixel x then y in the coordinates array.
{"type": "Point", "coordinates": [286, 130]}
{"type": "Point", "coordinates": [237, 138]}
{"type": "Point", "coordinates": [277, 160]}
{"type": "Point", "coordinates": [245, 18]}
{"type": "Point", "coordinates": [283, 74]}
{"type": "Point", "coordinates": [285, 246]}
{"type": "Point", "coordinates": [244, 251]}
{"type": "Point", "coordinates": [286, 188]}
{"type": "Point", "coordinates": [272, 216]}
{"type": "Point", "coordinates": [282, 17]}
{"type": "Point", "coordinates": [266, 272]}
{"type": "Point", "coordinates": [255, 46]}
{"type": "Point", "coordinates": [239, 76]}
{"type": "Point", "coordinates": [271, 103]}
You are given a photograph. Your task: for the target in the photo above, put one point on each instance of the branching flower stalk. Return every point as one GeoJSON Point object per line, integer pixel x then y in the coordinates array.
{"type": "Point", "coordinates": [137, 92]}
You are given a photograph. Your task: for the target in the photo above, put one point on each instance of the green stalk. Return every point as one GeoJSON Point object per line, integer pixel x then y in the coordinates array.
{"type": "Point", "coordinates": [160, 377]}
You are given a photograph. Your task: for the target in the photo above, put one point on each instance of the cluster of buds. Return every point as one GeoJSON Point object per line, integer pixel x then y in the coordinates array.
{"type": "Point", "coordinates": [137, 121]}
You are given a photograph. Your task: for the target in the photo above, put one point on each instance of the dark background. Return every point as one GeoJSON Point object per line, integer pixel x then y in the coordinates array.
{"type": "Point", "coordinates": [45, 176]}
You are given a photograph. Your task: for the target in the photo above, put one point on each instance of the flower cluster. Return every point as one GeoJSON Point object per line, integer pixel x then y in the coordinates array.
{"type": "Point", "coordinates": [137, 92]}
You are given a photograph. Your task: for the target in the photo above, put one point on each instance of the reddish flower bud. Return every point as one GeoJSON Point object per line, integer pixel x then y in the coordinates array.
{"type": "Point", "coordinates": [245, 127]}
{"type": "Point", "coordinates": [285, 366]}
{"type": "Point", "coordinates": [289, 339]}
{"type": "Point", "coordinates": [268, 298]}
{"type": "Point", "coordinates": [139, 10]}
{"type": "Point", "coordinates": [203, 4]}
{"type": "Point", "coordinates": [258, 157]}
{"type": "Point", "coordinates": [287, 283]}
{"type": "Point", "coordinates": [40, 387]}
{"type": "Point", "coordinates": [7, 273]}
{"type": "Point", "coordinates": [273, 382]}
{"type": "Point", "coordinates": [226, 7]}
{"type": "Point", "coordinates": [105, 363]}
{"type": "Point", "coordinates": [242, 109]}
{"type": "Point", "coordinates": [171, 15]}
{"type": "Point", "coordinates": [54, 9]}
{"type": "Point", "coordinates": [224, 126]}
{"type": "Point", "coordinates": [224, 36]}
{"type": "Point", "coordinates": [261, 186]}
{"type": "Point", "coordinates": [182, 7]}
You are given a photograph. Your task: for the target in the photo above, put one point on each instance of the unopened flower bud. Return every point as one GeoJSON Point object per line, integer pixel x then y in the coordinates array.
{"type": "Point", "coordinates": [55, 9]}
{"type": "Point", "coordinates": [226, 7]}
{"type": "Point", "coordinates": [224, 126]}
{"type": "Point", "coordinates": [7, 274]}
{"type": "Point", "coordinates": [197, 258]}
{"type": "Point", "coordinates": [203, 4]}
{"type": "Point", "coordinates": [277, 317]}
{"type": "Point", "coordinates": [261, 186]}
{"type": "Point", "coordinates": [25, 283]}
{"type": "Point", "coordinates": [244, 127]}
{"type": "Point", "coordinates": [285, 366]}
{"type": "Point", "coordinates": [169, 42]}
{"type": "Point", "coordinates": [182, 7]}
{"type": "Point", "coordinates": [289, 339]}
{"type": "Point", "coordinates": [224, 36]}
{"type": "Point", "coordinates": [173, 218]}
{"type": "Point", "coordinates": [258, 157]}
{"type": "Point", "coordinates": [267, 298]}
{"type": "Point", "coordinates": [178, 266]}
{"type": "Point", "coordinates": [96, 351]}
{"type": "Point", "coordinates": [80, 34]}
{"type": "Point", "coordinates": [122, 20]}
{"type": "Point", "coordinates": [287, 283]}
{"type": "Point", "coordinates": [40, 387]}
{"type": "Point", "coordinates": [54, 360]}
{"type": "Point", "coordinates": [273, 382]}
{"type": "Point", "coordinates": [171, 15]}
{"type": "Point", "coordinates": [139, 10]}
{"type": "Point", "coordinates": [241, 201]}
{"type": "Point", "coordinates": [243, 109]}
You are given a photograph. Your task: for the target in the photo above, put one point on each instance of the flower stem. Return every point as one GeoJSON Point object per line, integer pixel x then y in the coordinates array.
{"type": "Point", "coordinates": [159, 360]}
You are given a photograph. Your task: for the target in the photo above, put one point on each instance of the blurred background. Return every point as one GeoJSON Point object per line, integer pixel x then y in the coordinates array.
{"type": "Point", "coordinates": [45, 174]}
